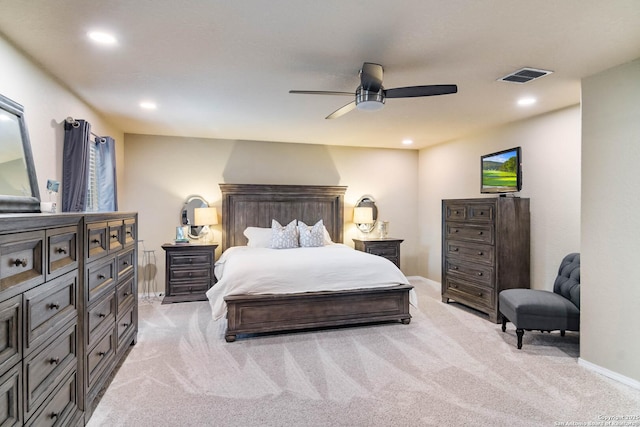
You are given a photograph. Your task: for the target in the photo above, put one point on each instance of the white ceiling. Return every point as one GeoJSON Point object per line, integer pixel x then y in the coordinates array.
{"type": "Point", "coordinates": [223, 69]}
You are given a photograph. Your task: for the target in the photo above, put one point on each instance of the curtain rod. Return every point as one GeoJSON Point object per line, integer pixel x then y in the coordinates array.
{"type": "Point", "coordinates": [73, 122]}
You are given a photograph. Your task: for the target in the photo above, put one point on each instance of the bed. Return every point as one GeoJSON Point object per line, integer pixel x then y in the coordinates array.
{"type": "Point", "coordinates": [253, 205]}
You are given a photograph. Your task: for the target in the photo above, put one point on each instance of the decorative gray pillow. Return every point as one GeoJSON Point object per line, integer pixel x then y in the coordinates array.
{"type": "Point", "coordinates": [311, 237]}
{"type": "Point", "coordinates": [284, 237]}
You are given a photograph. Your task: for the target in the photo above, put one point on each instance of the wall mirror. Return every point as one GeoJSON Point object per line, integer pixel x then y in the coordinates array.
{"type": "Point", "coordinates": [367, 202]}
{"type": "Point", "coordinates": [187, 215]}
{"type": "Point", "coordinates": [18, 183]}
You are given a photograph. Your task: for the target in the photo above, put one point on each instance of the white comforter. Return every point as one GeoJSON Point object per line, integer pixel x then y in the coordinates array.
{"type": "Point", "coordinates": [246, 270]}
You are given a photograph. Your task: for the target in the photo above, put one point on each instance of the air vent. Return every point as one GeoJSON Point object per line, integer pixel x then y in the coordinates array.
{"type": "Point", "coordinates": [524, 75]}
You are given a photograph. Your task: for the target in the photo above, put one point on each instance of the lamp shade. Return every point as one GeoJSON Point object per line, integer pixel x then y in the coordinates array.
{"type": "Point", "coordinates": [363, 215]}
{"type": "Point", "coordinates": [205, 216]}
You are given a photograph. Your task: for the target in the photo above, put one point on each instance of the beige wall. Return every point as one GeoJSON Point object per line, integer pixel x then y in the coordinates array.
{"type": "Point", "coordinates": [610, 336]}
{"type": "Point", "coordinates": [46, 104]}
{"type": "Point", "coordinates": [551, 180]}
{"type": "Point", "coordinates": [161, 172]}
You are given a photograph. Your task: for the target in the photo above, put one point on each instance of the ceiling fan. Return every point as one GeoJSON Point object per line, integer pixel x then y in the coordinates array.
{"type": "Point", "coordinates": [370, 95]}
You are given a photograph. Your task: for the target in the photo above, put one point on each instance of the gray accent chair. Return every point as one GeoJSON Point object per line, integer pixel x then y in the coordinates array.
{"type": "Point", "coordinates": [531, 309]}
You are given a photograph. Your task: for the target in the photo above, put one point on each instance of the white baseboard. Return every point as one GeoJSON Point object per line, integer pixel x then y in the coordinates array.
{"type": "Point", "coordinates": [610, 374]}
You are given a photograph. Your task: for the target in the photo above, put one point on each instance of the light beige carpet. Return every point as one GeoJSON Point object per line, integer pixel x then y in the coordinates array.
{"type": "Point", "coordinates": [448, 367]}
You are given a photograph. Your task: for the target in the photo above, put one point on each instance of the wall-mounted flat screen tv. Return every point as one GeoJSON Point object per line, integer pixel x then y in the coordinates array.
{"type": "Point", "coordinates": [501, 171]}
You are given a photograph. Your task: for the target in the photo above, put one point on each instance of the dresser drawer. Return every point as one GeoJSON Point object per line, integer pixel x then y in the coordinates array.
{"type": "Point", "coordinates": [62, 406]}
{"type": "Point", "coordinates": [476, 273]}
{"type": "Point", "coordinates": [481, 233]}
{"type": "Point", "coordinates": [100, 317]}
{"type": "Point", "coordinates": [62, 251]}
{"type": "Point", "coordinates": [21, 259]}
{"type": "Point", "coordinates": [116, 235]}
{"type": "Point", "coordinates": [479, 212]}
{"type": "Point", "coordinates": [100, 357]}
{"type": "Point", "coordinates": [484, 254]}
{"type": "Point", "coordinates": [125, 262]}
{"type": "Point", "coordinates": [126, 325]}
{"type": "Point", "coordinates": [10, 332]}
{"type": "Point", "coordinates": [10, 396]}
{"type": "Point", "coordinates": [469, 293]}
{"type": "Point", "coordinates": [43, 370]}
{"type": "Point", "coordinates": [129, 232]}
{"type": "Point", "coordinates": [97, 241]}
{"type": "Point", "coordinates": [190, 274]}
{"type": "Point", "coordinates": [125, 295]}
{"type": "Point", "coordinates": [48, 307]}
{"type": "Point", "coordinates": [455, 212]}
{"type": "Point", "coordinates": [189, 259]}
{"type": "Point", "coordinates": [100, 280]}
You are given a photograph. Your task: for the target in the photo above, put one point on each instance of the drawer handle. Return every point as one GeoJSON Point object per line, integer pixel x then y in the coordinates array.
{"type": "Point", "coordinates": [101, 276]}
{"type": "Point", "coordinates": [480, 253]}
{"type": "Point", "coordinates": [95, 241]}
{"type": "Point", "coordinates": [456, 230]}
{"type": "Point", "coordinates": [455, 249]}
{"type": "Point", "coordinates": [454, 286]}
{"type": "Point", "coordinates": [102, 315]}
{"type": "Point", "coordinates": [114, 236]}
{"type": "Point", "coordinates": [480, 273]}
{"type": "Point", "coordinates": [125, 294]}
{"type": "Point", "coordinates": [479, 233]}
{"type": "Point", "coordinates": [126, 325]}
{"type": "Point", "coordinates": [53, 415]}
{"type": "Point", "coordinates": [54, 306]}
{"type": "Point", "coordinates": [129, 232]}
{"type": "Point", "coordinates": [456, 212]}
{"type": "Point", "coordinates": [20, 263]}
{"type": "Point", "coordinates": [61, 250]}
{"type": "Point", "coordinates": [479, 294]}
{"type": "Point", "coordinates": [101, 353]}
{"type": "Point", "coordinates": [190, 260]}
{"type": "Point", "coordinates": [125, 262]}
{"type": "Point", "coordinates": [54, 360]}
{"type": "Point", "coordinates": [455, 267]}
{"type": "Point", "coordinates": [190, 274]}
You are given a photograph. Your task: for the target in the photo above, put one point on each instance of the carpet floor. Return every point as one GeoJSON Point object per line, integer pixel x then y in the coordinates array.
{"type": "Point", "coordinates": [449, 366]}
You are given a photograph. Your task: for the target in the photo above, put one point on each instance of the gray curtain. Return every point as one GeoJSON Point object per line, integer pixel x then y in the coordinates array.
{"type": "Point", "coordinates": [75, 166]}
{"type": "Point", "coordinates": [106, 174]}
{"type": "Point", "coordinates": [75, 169]}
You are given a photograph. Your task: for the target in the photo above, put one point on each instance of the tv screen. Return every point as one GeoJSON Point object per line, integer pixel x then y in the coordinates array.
{"type": "Point", "coordinates": [501, 171]}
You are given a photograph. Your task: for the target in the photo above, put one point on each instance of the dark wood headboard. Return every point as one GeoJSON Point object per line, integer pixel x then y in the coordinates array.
{"type": "Point", "coordinates": [255, 205]}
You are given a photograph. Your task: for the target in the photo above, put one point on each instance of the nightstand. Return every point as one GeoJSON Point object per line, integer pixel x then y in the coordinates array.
{"type": "Point", "coordinates": [386, 247]}
{"type": "Point", "coordinates": [189, 271]}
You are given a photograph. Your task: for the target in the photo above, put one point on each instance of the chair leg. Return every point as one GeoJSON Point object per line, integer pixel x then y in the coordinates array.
{"type": "Point", "coordinates": [519, 333]}
{"type": "Point", "coordinates": [561, 333]}
{"type": "Point", "coordinates": [504, 324]}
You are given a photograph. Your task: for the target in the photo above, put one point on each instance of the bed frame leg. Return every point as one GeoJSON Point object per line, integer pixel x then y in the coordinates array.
{"type": "Point", "coordinates": [230, 337]}
{"type": "Point", "coordinates": [405, 321]}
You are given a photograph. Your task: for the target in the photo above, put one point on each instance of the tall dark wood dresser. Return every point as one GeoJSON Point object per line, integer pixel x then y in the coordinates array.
{"type": "Point", "coordinates": [485, 249]}
{"type": "Point", "coordinates": [68, 312]}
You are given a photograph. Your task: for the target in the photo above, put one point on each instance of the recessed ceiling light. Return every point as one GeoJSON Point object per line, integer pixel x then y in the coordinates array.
{"type": "Point", "coordinates": [407, 141]}
{"type": "Point", "coordinates": [102, 37]}
{"type": "Point", "coordinates": [523, 102]}
{"type": "Point", "coordinates": [148, 105]}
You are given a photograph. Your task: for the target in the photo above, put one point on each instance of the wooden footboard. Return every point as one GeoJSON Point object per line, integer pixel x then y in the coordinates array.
{"type": "Point", "coordinates": [248, 314]}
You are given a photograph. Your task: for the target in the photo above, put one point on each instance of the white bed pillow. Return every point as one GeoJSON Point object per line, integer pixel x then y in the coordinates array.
{"type": "Point", "coordinates": [311, 236]}
{"type": "Point", "coordinates": [284, 237]}
{"type": "Point", "coordinates": [258, 237]}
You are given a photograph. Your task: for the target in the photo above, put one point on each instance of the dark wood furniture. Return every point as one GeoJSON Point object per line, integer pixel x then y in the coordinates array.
{"type": "Point", "coordinates": [485, 249]}
{"type": "Point", "coordinates": [55, 312]}
{"type": "Point", "coordinates": [189, 271]}
{"type": "Point", "coordinates": [256, 205]}
{"type": "Point", "coordinates": [386, 247]}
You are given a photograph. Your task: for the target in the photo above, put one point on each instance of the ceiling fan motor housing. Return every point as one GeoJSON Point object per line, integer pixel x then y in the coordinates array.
{"type": "Point", "coordinates": [368, 100]}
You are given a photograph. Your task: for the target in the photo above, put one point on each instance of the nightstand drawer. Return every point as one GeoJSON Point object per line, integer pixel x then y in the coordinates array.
{"type": "Point", "coordinates": [384, 251]}
{"type": "Point", "coordinates": [189, 259]}
{"type": "Point", "coordinates": [190, 274]}
{"type": "Point", "coordinates": [189, 288]}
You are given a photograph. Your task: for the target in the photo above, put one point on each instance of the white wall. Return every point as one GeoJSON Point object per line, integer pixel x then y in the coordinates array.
{"type": "Point", "coordinates": [46, 104]}
{"type": "Point", "coordinates": [610, 293]}
{"type": "Point", "coordinates": [551, 179]}
{"type": "Point", "coordinates": [161, 172]}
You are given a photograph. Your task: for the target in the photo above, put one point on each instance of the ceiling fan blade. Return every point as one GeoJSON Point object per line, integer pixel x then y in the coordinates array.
{"type": "Point", "coordinates": [371, 76]}
{"type": "Point", "coordinates": [342, 110]}
{"type": "Point", "coordinates": [320, 92]}
{"type": "Point", "coordinates": [429, 90]}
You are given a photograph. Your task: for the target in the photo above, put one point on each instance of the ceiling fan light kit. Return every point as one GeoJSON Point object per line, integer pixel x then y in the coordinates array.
{"type": "Point", "coordinates": [370, 95]}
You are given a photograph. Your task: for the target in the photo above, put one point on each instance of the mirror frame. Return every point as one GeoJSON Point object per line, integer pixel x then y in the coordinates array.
{"type": "Point", "coordinates": [367, 201]}
{"type": "Point", "coordinates": [15, 204]}
{"type": "Point", "coordinates": [187, 216]}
